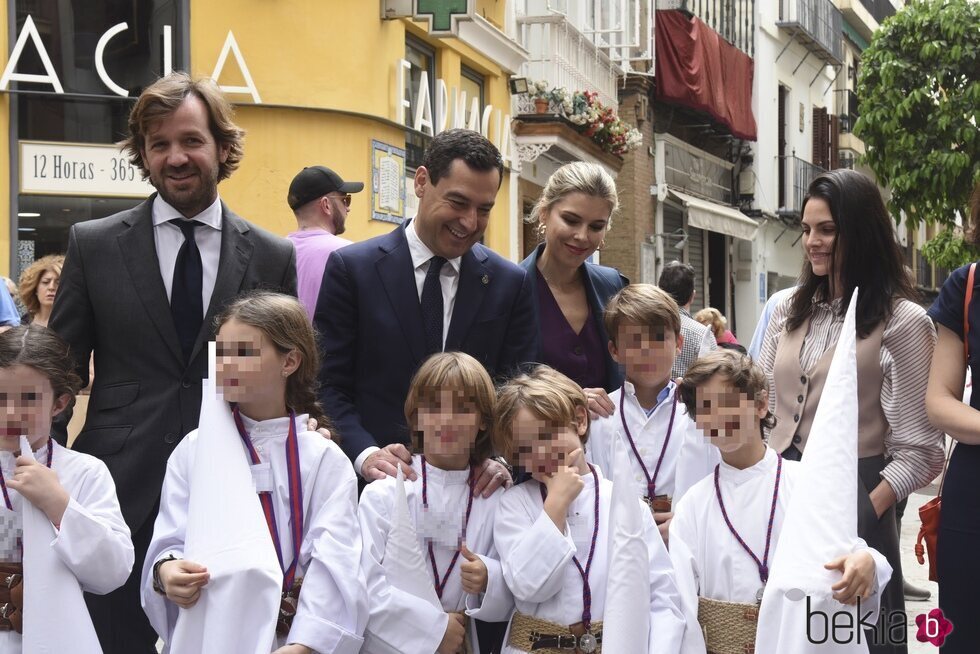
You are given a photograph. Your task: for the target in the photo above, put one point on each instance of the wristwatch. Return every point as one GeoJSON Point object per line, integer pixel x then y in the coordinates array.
{"type": "Point", "coordinates": [502, 461]}
{"type": "Point", "coordinates": [157, 584]}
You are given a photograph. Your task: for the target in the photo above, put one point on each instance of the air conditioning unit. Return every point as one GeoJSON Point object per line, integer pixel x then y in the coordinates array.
{"type": "Point", "coordinates": [391, 9]}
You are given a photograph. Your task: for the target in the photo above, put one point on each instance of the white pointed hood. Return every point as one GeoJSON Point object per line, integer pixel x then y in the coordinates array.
{"type": "Point", "coordinates": [227, 533]}
{"type": "Point", "coordinates": [403, 562]}
{"type": "Point", "coordinates": [821, 518]}
{"type": "Point", "coordinates": [49, 584]}
{"type": "Point", "coordinates": [626, 616]}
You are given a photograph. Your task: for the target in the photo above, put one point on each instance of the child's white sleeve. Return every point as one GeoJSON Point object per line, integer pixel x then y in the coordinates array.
{"type": "Point", "coordinates": [666, 615]}
{"type": "Point", "coordinates": [682, 539]}
{"type": "Point", "coordinates": [93, 540]}
{"type": "Point", "coordinates": [400, 623]}
{"type": "Point", "coordinates": [333, 606]}
{"type": "Point", "coordinates": [169, 532]}
{"type": "Point", "coordinates": [533, 553]}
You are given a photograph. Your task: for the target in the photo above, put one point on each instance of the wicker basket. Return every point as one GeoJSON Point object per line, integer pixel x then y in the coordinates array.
{"type": "Point", "coordinates": [728, 627]}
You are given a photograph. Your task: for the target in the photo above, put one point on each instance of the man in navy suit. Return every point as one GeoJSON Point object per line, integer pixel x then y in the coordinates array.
{"type": "Point", "coordinates": [429, 285]}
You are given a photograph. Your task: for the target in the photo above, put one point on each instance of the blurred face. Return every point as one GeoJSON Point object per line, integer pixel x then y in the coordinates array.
{"type": "Point", "coordinates": [453, 214]}
{"type": "Point", "coordinates": [728, 417]}
{"type": "Point", "coordinates": [542, 447]}
{"type": "Point", "coordinates": [250, 368]}
{"type": "Point", "coordinates": [47, 287]}
{"type": "Point", "coordinates": [27, 405]}
{"type": "Point", "coordinates": [574, 227]}
{"type": "Point", "coordinates": [183, 158]}
{"type": "Point", "coordinates": [819, 233]}
{"type": "Point", "coordinates": [646, 353]}
{"type": "Point", "coordinates": [449, 421]}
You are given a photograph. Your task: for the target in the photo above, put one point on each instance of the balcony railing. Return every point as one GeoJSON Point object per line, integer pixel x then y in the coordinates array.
{"type": "Point", "coordinates": [847, 109]}
{"type": "Point", "coordinates": [817, 24]}
{"type": "Point", "coordinates": [879, 9]}
{"type": "Point", "coordinates": [562, 55]}
{"type": "Point", "coordinates": [795, 177]}
{"type": "Point", "coordinates": [695, 171]}
{"type": "Point", "coordinates": [734, 20]}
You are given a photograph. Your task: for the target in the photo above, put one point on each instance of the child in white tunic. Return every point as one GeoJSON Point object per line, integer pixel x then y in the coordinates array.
{"type": "Point", "coordinates": [267, 364]}
{"type": "Point", "coordinates": [725, 530]}
{"type": "Point", "coordinates": [552, 531]}
{"type": "Point", "coordinates": [73, 490]}
{"type": "Point", "coordinates": [449, 409]}
{"type": "Point", "coordinates": [666, 451]}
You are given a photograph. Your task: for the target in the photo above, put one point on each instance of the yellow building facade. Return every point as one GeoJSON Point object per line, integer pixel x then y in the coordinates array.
{"type": "Point", "coordinates": [333, 83]}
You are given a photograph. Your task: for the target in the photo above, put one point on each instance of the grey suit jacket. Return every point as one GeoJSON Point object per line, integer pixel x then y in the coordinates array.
{"type": "Point", "coordinates": [112, 301]}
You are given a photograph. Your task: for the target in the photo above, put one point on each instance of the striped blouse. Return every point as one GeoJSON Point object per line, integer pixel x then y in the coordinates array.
{"type": "Point", "coordinates": [915, 446]}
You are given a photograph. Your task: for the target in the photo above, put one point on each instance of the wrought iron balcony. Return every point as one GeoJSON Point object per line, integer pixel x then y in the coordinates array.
{"type": "Point", "coordinates": [734, 20]}
{"type": "Point", "coordinates": [817, 24]}
{"type": "Point", "coordinates": [565, 57]}
{"type": "Point", "coordinates": [694, 171]}
{"type": "Point", "coordinates": [794, 177]}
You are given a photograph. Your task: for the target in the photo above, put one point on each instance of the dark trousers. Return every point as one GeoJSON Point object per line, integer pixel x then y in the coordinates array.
{"type": "Point", "coordinates": [118, 617]}
{"type": "Point", "coordinates": [890, 634]}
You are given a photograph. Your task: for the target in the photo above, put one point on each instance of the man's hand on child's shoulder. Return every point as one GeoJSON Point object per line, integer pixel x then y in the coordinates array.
{"type": "Point", "coordinates": [600, 406]}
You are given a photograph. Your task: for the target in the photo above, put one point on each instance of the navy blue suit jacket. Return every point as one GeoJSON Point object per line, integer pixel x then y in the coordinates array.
{"type": "Point", "coordinates": [369, 322]}
{"type": "Point", "coordinates": [601, 283]}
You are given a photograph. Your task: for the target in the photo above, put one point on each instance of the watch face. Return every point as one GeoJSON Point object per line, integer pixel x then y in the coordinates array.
{"type": "Point", "coordinates": [587, 643]}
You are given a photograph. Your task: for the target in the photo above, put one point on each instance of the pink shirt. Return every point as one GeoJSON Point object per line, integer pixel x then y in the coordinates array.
{"type": "Point", "coordinates": [313, 248]}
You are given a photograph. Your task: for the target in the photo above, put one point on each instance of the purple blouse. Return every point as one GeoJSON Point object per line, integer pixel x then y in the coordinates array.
{"type": "Point", "coordinates": [582, 356]}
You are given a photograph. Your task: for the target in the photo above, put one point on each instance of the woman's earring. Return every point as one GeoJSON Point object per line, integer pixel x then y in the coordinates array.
{"type": "Point", "coordinates": [602, 245]}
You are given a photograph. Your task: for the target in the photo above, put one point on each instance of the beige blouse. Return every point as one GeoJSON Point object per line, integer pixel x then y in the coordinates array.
{"type": "Point", "coordinates": [915, 446]}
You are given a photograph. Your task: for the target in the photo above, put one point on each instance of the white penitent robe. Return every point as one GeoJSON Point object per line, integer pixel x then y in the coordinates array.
{"type": "Point", "coordinates": [402, 623]}
{"type": "Point", "coordinates": [708, 560]}
{"type": "Point", "coordinates": [687, 459]}
{"type": "Point", "coordinates": [538, 568]}
{"type": "Point", "coordinates": [92, 542]}
{"type": "Point", "coordinates": [332, 608]}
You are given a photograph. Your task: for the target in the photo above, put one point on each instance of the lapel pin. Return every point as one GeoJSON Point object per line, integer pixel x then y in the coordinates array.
{"type": "Point", "coordinates": [485, 279]}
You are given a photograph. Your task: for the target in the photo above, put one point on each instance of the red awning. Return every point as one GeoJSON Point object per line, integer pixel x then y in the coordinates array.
{"type": "Point", "coordinates": [697, 68]}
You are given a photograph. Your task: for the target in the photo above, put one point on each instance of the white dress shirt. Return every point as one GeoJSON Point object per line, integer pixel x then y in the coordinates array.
{"type": "Point", "coordinates": [448, 279]}
{"type": "Point", "coordinates": [167, 238]}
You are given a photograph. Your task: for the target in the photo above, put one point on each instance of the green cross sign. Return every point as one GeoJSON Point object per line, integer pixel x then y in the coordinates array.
{"type": "Point", "coordinates": [440, 13]}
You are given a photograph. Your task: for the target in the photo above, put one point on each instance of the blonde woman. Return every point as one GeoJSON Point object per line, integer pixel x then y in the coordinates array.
{"type": "Point", "coordinates": [569, 293]}
{"type": "Point", "coordinates": [38, 287]}
{"type": "Point", "coordinates": [717, 323]}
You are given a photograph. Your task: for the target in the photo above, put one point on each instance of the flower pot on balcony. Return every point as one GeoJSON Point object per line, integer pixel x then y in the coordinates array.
{"type": "Point", "coordinates": [541, 105]}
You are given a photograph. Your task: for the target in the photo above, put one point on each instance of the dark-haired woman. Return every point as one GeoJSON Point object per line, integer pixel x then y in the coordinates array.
{"type": "Point", "coordinates": [959, 528]}
{"type": "Point", "coordinates": [849, 242]}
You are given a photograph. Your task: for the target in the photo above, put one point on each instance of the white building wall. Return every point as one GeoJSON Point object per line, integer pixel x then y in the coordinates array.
{"type": "Point", "coordinates": [810, 84]}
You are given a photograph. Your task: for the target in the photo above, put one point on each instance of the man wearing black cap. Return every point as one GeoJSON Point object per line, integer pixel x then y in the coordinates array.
{"type": "Point", "coordinates": [320, 199]}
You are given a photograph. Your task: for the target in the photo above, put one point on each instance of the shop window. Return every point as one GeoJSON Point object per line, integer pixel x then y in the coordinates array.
{"type": "Point", "coordinates": [422, 57]}
{"type": "Point", "coordinates": [88, 113]}
{"type": "Point", "coordinates": [471, 83]}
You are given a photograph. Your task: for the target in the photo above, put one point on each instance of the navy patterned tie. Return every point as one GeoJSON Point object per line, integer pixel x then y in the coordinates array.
{"type": "Point", "coordinates": [432, 307]}
{"type": "Point", "coordinates": [186, 303]}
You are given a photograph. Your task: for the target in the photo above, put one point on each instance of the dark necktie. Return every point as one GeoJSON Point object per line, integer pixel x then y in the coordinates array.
{"type": "Point", "coordinates": [432, 307]}
{"type": "Point", "coordinates": [186, 304]}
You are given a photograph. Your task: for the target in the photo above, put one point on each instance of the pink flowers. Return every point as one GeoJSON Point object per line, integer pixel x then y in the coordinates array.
{"type": "Point", "coordinates": [593, 119]}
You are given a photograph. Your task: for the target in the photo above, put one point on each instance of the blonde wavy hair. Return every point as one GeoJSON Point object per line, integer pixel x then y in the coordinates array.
{"type": "Point", "coordinates": [576, 177]}
{"type": "Point", "coordinates": [549, 395]}
{"type": "Point", "coordinates": [31, 278]}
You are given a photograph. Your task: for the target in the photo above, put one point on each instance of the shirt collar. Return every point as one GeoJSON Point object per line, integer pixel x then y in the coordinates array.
{"type": "Point", "coordinates": [762, 467]}
{"type": "Point", "coordinates": [163, 212]}
{"type": "Point", "coordinates": [663, 395]}
{"type": "Point", "coordinates": [420, 251]}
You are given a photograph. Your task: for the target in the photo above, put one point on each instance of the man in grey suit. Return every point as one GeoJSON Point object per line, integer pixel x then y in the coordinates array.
{"type": "Point", "coordinates": [141, 289]}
